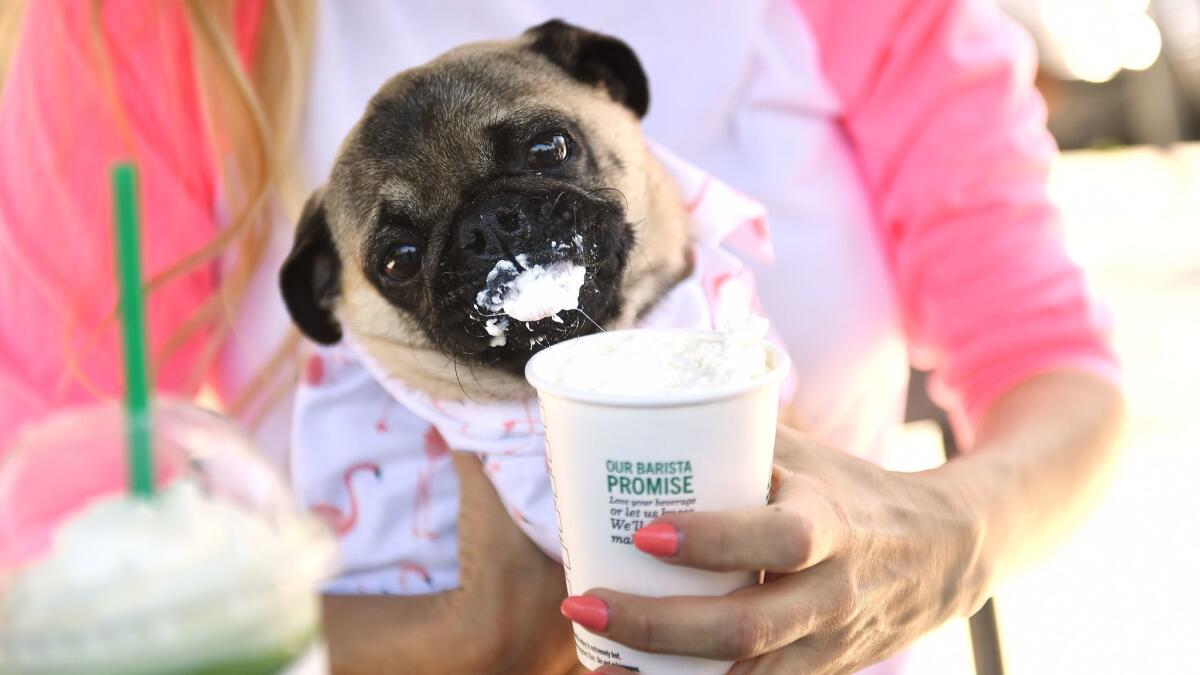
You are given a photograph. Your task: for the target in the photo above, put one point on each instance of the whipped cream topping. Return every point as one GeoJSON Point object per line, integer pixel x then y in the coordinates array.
{"type": "Point", "coordinates": [533, 293]}
{"type": "Point", "coordinates": [164, 585]}
{"type": "Point", "coordinates": [647, 362]}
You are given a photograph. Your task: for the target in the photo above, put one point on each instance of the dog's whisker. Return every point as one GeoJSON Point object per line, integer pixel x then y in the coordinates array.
{"type": "Point", "coordinates": [589, 318]}
{"type": "Point", "coordinates": [611, 189]}
{"type": "Point", "coordinates": [458, 379]}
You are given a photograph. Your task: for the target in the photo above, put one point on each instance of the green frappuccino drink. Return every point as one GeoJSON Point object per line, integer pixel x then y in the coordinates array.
{"type": "Point", "coordinates": [214, 574]}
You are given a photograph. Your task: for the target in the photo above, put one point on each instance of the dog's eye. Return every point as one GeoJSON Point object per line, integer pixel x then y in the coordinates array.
{"type": "Point", "coordinates": [403, 262]}
{"type": "Point", "coordinates": [549, 151]}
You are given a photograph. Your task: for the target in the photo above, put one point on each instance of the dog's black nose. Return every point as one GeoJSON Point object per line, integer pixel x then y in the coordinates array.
{"type": "Point", "coordinates": [514, 221]}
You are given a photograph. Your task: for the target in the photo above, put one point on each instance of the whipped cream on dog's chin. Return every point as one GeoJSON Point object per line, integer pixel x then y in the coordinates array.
{"type": "Point", "coordinates": [178, 580]}
{"type": "Point", "coordinates": [536, 292]}
{"type": "Point", "coordinates": [646, 362]}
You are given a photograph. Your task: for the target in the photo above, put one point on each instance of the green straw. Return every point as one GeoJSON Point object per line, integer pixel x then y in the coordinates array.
{"type": "Point", "coordinates": [133, 323]}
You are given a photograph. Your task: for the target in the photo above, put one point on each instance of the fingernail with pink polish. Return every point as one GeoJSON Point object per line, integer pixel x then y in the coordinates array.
{"type": "Point", "coordinates": [589, 612]}
{"type": "Point", "coordinates": [659, 539]}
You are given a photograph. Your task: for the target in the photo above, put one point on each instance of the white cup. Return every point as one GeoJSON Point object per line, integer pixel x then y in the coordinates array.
{"type": "Point", "coordinates": [617, 462]}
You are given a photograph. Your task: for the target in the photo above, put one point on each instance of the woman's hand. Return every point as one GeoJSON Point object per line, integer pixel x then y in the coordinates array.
{"type": "Point", "coordinates": [503, 619]}
{"type": "Point", "coordinates": [859, 561]}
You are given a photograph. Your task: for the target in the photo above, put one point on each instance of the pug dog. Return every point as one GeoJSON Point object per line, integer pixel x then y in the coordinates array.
{"type": "Point", "coordinates": [527, 151]}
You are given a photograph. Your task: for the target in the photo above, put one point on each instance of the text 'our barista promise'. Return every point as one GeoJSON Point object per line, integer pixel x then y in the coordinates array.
{"type": "Point", "coordinates": [649, 478]}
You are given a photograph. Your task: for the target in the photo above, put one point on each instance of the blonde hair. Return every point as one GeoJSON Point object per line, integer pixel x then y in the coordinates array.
{"type": "Point", "coordinates": [10, 24]}
{"type": "Point", "coordinates": [253, 116]}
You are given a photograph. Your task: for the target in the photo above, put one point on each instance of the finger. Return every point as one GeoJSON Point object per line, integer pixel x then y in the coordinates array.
{"type": "Point", "coordinates": [799, 530]}
{"type": "Point", "coordinates": [747, 623]}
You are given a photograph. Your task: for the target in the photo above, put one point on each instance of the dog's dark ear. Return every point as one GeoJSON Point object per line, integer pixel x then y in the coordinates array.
{"type": "Point", "coordinates": [594, 59]}
{"type": "Point", "coordinates": [310, 278]}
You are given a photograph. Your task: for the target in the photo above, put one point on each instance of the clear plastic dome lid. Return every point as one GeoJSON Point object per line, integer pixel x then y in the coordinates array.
{"type": "Point", "coordinates": [58, 467]}
{"type": "Point", "coordinates": [217, 567]}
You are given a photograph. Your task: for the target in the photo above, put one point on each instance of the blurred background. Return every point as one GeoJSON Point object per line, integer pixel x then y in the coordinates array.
{"type": "Point", "coordinates": [1122, 82]}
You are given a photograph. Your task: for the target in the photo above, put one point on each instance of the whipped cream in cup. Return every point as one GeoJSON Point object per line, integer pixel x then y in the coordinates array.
{"type": "Point", "coordinates": [645, 422]}
{"type": "Point", "coordinates": [216, 574]}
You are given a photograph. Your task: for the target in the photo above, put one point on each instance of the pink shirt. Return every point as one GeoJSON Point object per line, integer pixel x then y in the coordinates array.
{"type": "Point", "coordinates": [899, 146]}
{"type": "Point", "coordinates": [924, 111]}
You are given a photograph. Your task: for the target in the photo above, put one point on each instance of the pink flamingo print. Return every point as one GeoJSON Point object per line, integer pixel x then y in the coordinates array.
{"type": "Point", "coordinates": [759, 223]}
{"type": "Point", "coordinates": [518, 514]}
{"type": "Point", "coordinates": [342, 522]}
{"type": "Point", "coordinates": [381, 424]}
{"type": "Point", "coordinates": [694, 203]}
{"type": "Point", "coordinates": [411, 568]}
{"type": "Point", "coordinates": [713, 291]}
{"type": "Point", "coordinates": [528, 415]}
{"type": "Point", "coordinates": [435, 445]}
{"type": "Point", "coordinates": [435, 450]}
{"type": "Point", "coordinates": [314, 371]}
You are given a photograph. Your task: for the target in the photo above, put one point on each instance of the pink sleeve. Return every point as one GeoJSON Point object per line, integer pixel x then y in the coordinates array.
{"type": "Point", "coordinates": [938, 99]}
{"type": "Point", "coordinates": [91, 83]}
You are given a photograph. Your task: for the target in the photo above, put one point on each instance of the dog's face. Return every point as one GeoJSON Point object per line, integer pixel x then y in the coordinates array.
{"type": "Point", "coordinates": [526, 151]}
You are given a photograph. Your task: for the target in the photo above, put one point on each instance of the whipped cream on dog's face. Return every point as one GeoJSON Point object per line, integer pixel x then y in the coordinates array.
{"type": "Point", "coordinates": [647, 362]}
{"type": "Point", "coordinates": [535, 292]}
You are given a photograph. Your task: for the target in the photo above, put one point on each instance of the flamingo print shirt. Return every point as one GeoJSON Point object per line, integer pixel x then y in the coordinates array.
{"type": "Point", "coordinates": [370, 455]}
